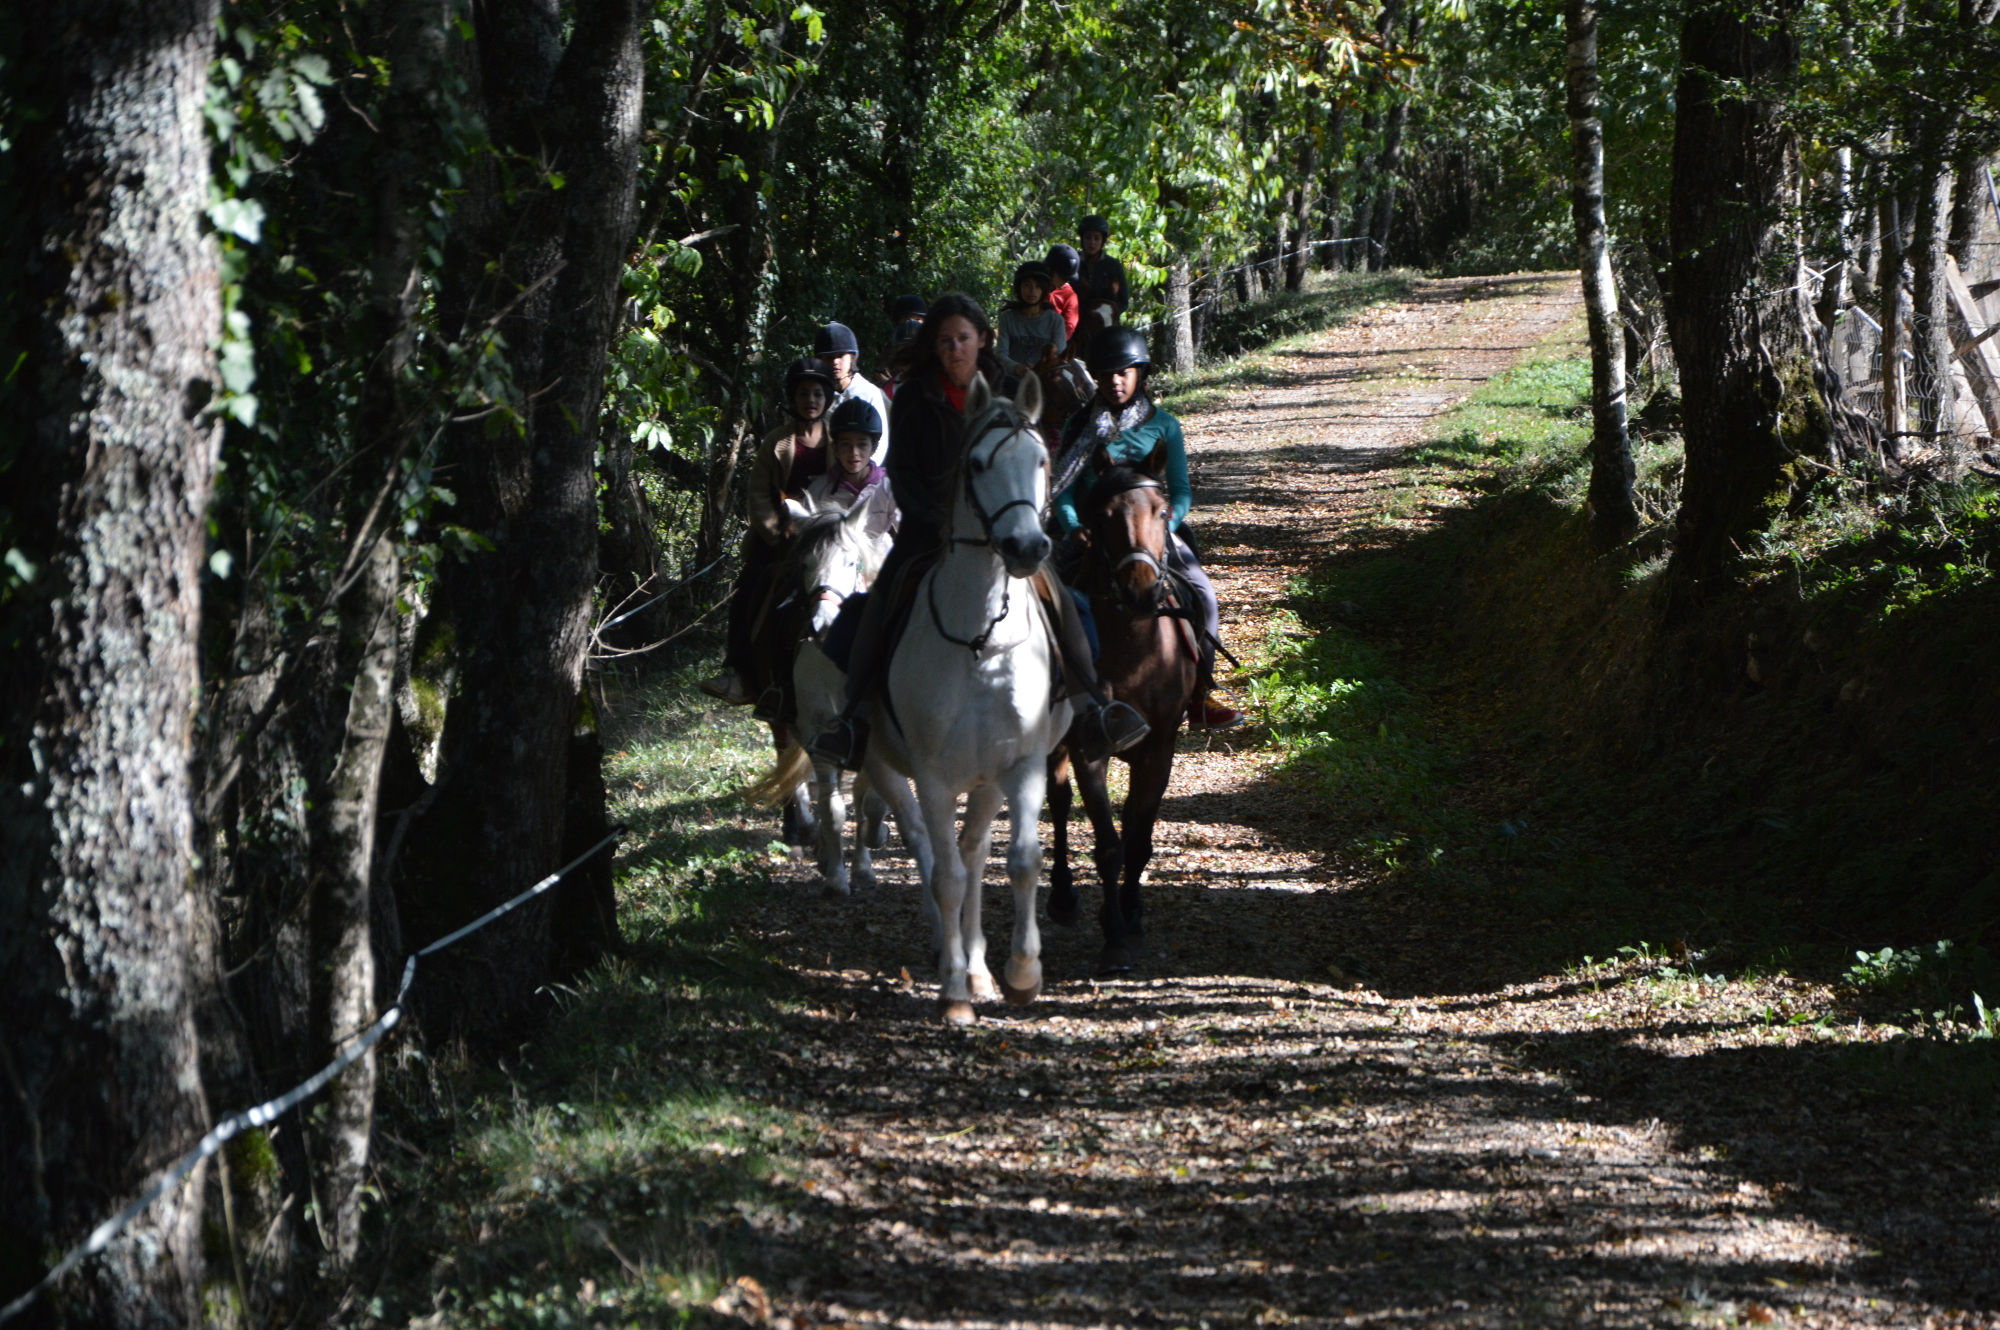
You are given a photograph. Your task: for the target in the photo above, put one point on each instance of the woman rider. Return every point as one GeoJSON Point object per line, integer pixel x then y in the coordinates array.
{"type": "Point", "coordinates": [786, 460]}
{"type": "Point", "coordinates": [927, 418]}
{"type": "Point", "coordinates": [1123, 421]}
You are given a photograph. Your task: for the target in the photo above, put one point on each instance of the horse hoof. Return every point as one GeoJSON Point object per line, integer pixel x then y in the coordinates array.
{"type": "Point", "coordinates": [833, 891]}
{"type": "Point", "coordinates": [863, 878]}
{"type": "Point", "coordinates": [1065, 909]}
{"type": "Point", "coordinates": [1114, 960]}
{"type": "Point", "coordinates": [1135, 943]}
{"type": "Point", "coordinates": [1020, 997]}
{"type": "Point", "coordinates": [956, 1013]}
{"type": "Point", "coordinates": [878, 837]}
{"type": "Point", "coordinates": [983, 988]}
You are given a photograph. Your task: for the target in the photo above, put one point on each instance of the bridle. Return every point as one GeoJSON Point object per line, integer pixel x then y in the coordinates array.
{"type": "Point", "coordinates": [975, 466]}
{"type": "Point", "coordinates": [1161, 582]}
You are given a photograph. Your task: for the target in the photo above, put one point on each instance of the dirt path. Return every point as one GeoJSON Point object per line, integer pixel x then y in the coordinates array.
{"type": "Point", "coordinates": [1228, 1138]}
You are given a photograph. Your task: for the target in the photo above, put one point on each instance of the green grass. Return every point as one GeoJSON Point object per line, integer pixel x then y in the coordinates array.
{"type": "Point", "coordinates": [623, 1166]}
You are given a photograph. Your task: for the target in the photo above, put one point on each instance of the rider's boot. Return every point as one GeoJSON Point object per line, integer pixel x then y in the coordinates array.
{"type": "Point", "coordinates": [1209, 712]}
{"type": "Point", "coordinates": [1105, 726]}
{"type": "Point", "coordinates": [728, 686]}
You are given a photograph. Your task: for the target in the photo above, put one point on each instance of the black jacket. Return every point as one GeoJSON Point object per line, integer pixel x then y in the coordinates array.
{"type": "Point", "coordinates": [1100, 280]}
{"type": "Point", "coordinates": [929, 437]}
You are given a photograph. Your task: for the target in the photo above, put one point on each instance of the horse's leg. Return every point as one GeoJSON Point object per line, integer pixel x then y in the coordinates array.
{"type": "Point", "coordinates": [865, 803]}
{"type": "Point", "coordinates": [1152, 766]}
{"type": "Point", "coordinates": [1116, 958]}
{"type": "Point", "coordinates": [982, 804]}
{"type": "Point", "coordinates": [940, 809]}
{"type": "Point", "coordinates": [895, 791]}
{"type": "Point", "coordinates": [1064, 904]}
{"type": "Point", "coordinates": [1021, 977]}
{"type": "Point", "coordinates": [874, 814]}
{"type": "Point", "coordinates": [832, 825]}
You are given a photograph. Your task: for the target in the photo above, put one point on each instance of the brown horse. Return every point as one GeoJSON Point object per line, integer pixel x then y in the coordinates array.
{"type": "Point", "coordinates": [1148, 661]}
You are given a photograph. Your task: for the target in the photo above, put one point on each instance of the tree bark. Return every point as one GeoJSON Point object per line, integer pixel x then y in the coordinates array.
{"type": "Point", "coordinates": [1754, 386]}
{"type": "Point", "coordinates": [1336, 156]}
{"type": "Point", "coordinates": [1974, 210]}
{"type": "Point", "coordinates": [116, 304]}
{"type": "Point", "coordinates": [1930, 313]}
{"type": "Point", "coordinates": [1385, 185]}
{"type": "Point", "coordinates": [1614, 515]}
{"type": "Point", "coordinates": [343, 857]}
{"type": "Point", "coordinates": [520, 611]}
{"type": "Point", "coordinates": [1889, 289]}
{"type": "Point", "coordinates": [1180, 323]}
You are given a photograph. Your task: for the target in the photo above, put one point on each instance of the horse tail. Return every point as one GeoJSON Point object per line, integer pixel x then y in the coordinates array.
{"type": "Point", "coordinates": [776, 785]}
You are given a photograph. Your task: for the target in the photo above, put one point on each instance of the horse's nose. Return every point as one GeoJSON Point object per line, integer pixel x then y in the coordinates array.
{"type": "Point", "coordinates": [1022, 550]}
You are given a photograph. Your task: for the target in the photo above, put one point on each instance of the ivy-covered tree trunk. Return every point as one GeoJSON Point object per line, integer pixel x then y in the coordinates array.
{"type": "Point", "coordinates": [1613, 514]}
{"type": "Point", "coordinates": [520, 609]}
{"type": "Point", "coordinates": [1754, 388]}
{"type": "Point", "coordinates": [1930, 300]}
{"type": "Point", "coordinates": [116, 306]}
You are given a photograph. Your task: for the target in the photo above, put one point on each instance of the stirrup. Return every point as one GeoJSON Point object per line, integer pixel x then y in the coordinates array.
{"type": "Point", "coordinates": [770, 706]}
{"type": "Point", "coordinates": [1103, 731]}
{"type": "Point", "coordinates": [843, 743]}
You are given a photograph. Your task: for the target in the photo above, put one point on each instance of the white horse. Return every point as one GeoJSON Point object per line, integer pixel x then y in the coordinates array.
{"type": "Point", "coordinates": [834, 555]}
{"type": "Point", "coordinates": [972, 707]}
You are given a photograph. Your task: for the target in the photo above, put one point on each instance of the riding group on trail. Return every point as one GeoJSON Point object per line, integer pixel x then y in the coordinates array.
{"type": "Point", "coordinates": [969, 580]}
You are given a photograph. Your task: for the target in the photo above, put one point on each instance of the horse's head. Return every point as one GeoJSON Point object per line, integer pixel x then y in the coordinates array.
{"type": "Point", "coordinates": [1127, 521]}
{"type": "Point", "coordinates": [832, 557]}
{"type": "Point", "coordinates": [1006, 470]}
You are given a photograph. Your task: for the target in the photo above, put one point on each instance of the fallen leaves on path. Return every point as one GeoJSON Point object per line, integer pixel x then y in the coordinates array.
{"type": "Point", "coordinates": [1243, 1134]}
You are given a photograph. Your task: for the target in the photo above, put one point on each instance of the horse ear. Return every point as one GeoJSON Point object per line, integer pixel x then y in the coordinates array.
{"type": "Point", "coordinates": [859, 508]}
{"type": "Point", "coordinates": [799, 509]}
{"type": "Point", "coordinates": [1100, 459]}
{"type": "Point", "coordinates": [1028, 397]}
{"type": "Point", "coordinates": [978, 397]}
{"type": "Point", "coordinates": [1156, 461]}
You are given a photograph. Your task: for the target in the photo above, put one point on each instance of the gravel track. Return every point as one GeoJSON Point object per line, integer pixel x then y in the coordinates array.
{"type": "Point", "coordinates": [1238, 1135]}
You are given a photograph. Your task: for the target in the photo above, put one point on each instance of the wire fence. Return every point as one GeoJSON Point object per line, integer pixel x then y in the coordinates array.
{"type": "Point", "coordinates": [272, 1109]}
{"type": "Point", "coordinates": [1933, 389]}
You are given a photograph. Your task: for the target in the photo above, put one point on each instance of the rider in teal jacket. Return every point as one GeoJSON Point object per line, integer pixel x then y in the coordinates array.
{"type": "Point", "coordinates": [1130, 447]}
{"type": "Point", "coordinates": [1130, 431]}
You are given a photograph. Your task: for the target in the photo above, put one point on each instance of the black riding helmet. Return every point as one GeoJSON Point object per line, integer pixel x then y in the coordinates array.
{"type": "Point", "coordinates": [1118, 348]}
{"type": "Point", "coordinates": [859, 415]}
{"type": "Point", "coordinates": [835, 339]}
{"type": "Point", "coordinates": [1033, 272]}
{"type": "Point", "coordinates": [907, 331]}
{"type": "Point", "coordinates": [1101, 225]}
{"type": "Point", "coordinates": [1062, 262]}
{"type": "Point", "coordinates": [907, 307]}
{"type": "Point", "coordinates": [802, 371]}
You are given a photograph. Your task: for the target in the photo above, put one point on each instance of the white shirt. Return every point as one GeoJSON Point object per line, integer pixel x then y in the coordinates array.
{"type": "Point", "coordinates": [859, 386]}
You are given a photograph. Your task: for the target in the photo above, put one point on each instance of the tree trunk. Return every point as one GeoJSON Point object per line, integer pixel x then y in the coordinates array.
{"type": "Point", "coordinates": [1179, 321]}
{"type": "Point", "coordinates": [1303, 199]}
{"type": "Point", "coordinates": [116, 304]}
{"type": "Point", "coordinates": [1743, 332]}
{"type": "Point", "coordinates": [1930, 299]}
{"type": "Point", "coordinates": [1614, 515]}
{"type": "Point", "coordinates": [1336, 155]}
{"type": "Point", "coordinates": [520, 611]}
{"type": "Point", "coordinates": [343, 858]}
{"type": "Point", "coordinates": [1385, 185]}
{"type": "Point", "coordinates": [1975, 209]}
{"type": "Point", "coordinates": [1281, 252]}
{"type": "Point", "coordinates": [1889, 289]}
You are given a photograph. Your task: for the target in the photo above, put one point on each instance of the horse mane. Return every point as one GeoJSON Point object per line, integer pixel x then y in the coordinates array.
{"type": "Point", "coordinates": [1116, 481]}
{"type": "Point", "coordinates": [810, 538]}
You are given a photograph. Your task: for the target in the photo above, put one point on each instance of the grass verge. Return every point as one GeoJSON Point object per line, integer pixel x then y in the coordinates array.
{"type": "Point", "coordinates": [1516, 730]}
{"type": "Point", "coordinates": [626, 1165]}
